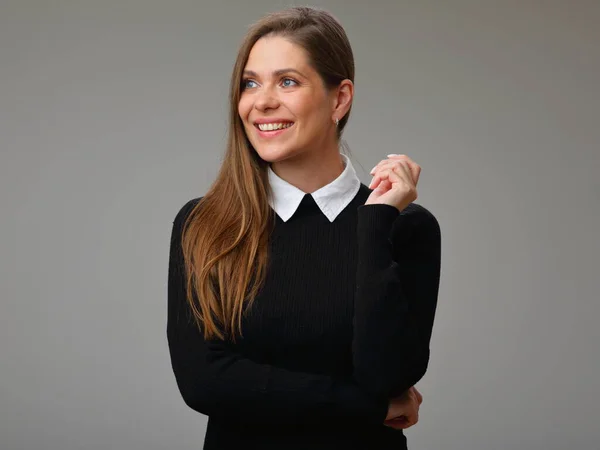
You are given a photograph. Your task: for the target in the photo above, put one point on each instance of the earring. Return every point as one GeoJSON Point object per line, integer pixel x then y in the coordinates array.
{"type": "Point", "coordinates": [337, 122]}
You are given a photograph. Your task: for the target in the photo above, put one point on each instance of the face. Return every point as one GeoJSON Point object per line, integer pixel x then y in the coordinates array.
{"type": "Point", "coordinates": [284, 106]}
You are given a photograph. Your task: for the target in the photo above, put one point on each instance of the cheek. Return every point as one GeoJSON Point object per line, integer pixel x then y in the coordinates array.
{"type": "Point", "coordinates": [244, 107]}
{"type": "Point", "coordinates": [302, 106]}
{"type": "Point", "coordinates": [312, 111]}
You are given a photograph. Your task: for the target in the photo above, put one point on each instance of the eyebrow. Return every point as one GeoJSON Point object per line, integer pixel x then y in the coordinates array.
{"type": "Point", "coordinates": [276, 73]}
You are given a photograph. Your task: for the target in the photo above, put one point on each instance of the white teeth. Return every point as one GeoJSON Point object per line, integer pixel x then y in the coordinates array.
{"type": "Point", "coordinates": [273, 126]}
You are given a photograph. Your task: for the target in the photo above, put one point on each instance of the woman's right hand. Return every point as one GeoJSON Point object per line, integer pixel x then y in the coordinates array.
{"type": "Point", "coordinates": [403, 411]}
{"type": "Point", "coordinates": [394, 182]}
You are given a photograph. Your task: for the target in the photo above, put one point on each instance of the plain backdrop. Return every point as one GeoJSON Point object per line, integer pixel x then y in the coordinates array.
{"type": "Point", "coordinates": [113, 115]}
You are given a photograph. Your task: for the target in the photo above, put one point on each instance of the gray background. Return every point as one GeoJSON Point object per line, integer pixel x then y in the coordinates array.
{"type": "Point", "coordinates": [112, 116]}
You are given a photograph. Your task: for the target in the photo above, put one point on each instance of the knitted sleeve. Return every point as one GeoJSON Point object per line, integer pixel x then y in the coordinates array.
{"type": "Point", "coordinates": [215, 380]}
{"type": "Point", "coordinates": [398, 275]}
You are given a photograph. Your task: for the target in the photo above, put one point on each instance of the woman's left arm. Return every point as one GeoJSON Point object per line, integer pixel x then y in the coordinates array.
{"type": "Point", "coordinates": [398, 275]}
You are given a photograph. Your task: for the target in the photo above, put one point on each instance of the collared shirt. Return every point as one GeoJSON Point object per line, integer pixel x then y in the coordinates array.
{"type": "Point", "coordinates": [331, 198]}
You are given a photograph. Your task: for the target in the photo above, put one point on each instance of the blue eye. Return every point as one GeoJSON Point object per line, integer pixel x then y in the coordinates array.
{"type": "Point", "coordinates": [246, 84]}
{"type": "Point", "coordinates": [288, 79]}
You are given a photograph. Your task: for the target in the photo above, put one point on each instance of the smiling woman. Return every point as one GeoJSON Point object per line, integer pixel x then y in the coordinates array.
{"type": "Point", "coordinates": [286, 108]}
{"type": "Point", "coordinates": [301, 302]}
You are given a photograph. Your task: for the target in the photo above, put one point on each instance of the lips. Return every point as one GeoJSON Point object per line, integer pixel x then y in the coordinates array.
{"type": "Point", "coordinates": [272, 130]}
{"type": "Point", "coordinates": [273, 126]}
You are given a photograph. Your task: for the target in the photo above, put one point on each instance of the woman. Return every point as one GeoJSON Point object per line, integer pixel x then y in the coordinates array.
{"type": "Point", "coordinates": [300, 301]}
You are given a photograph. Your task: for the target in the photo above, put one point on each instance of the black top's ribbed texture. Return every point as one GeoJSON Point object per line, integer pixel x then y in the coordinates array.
{"type": "Point", "coordinates": [342, 323]}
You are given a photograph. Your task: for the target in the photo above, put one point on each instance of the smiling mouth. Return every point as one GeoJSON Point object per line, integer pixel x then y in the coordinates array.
{"type": "Point", "coordinates": [273, 126]}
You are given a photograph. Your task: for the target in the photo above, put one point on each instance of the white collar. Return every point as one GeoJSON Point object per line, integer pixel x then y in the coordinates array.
{"type": "Point", "coordinates": [331, 199]}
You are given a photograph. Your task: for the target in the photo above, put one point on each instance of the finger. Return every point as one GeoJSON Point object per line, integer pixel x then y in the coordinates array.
{"type": "Point", "coordinates": [374, 169]}
{"type": "Point", "coordinates": [374, 182]}
{"type": "Point", "coordinates": [406, 167]}
{"type": "Point", "coordinates": [418, 394]}
{"type": "Point", "coordinates": [415, 169]}
{"type": "Point", "coordinates": [404, 170]}
{"type": "Point", "coordinates": [409, 421]}
{"type": "Point", "coordinates": [386, 181]}
{"type": "Point", "coordinates": [376, 178]}
{"type": "Point", "coordinates": [380, 182]}
{"type": "Point", "coordinates": [384, 186]}
{"type": "Point", "coordinates": [398, 423]}
{"type": "Point", "coordinates": [379, 164]}
{"type": "Point", "coordinates": [414, 416]}
{"type": "Point", "coordinates": [395, 174]}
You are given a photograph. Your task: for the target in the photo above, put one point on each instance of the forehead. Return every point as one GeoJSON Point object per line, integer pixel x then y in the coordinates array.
{"type": "Point", "coordinates": [275, 52]}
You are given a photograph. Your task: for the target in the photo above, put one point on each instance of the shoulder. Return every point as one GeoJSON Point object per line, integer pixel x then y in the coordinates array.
{"type": "Point", "coordinates": [185, 210]}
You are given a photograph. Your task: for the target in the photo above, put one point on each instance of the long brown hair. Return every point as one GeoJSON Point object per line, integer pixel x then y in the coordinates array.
{"type": "Point", "coordinates": [225, 237]}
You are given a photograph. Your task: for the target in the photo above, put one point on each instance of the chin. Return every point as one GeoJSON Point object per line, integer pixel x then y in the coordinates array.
{"type": "Point", "coordinates": [274, 154]}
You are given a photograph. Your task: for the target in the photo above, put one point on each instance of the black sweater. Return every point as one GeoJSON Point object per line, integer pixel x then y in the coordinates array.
{"type": "Point", "coordinates": [342, 324]}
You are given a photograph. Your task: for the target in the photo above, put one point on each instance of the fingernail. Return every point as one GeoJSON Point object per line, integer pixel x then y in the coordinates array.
{"type": "Point", "coordinates": [373, 169]}
{"type": "Point", "coordinates": [392, 154]}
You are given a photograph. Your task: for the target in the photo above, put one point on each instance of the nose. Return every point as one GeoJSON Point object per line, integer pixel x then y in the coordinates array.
{"type": "Point", "coordinates": [266, 99]}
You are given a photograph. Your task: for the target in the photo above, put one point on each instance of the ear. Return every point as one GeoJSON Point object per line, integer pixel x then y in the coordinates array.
{"type": "Point", "coordinates": [342, 99]}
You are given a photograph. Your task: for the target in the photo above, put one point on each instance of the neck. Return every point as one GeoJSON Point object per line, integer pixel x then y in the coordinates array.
{"type": "Point", "coordinates": [310, 171]}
